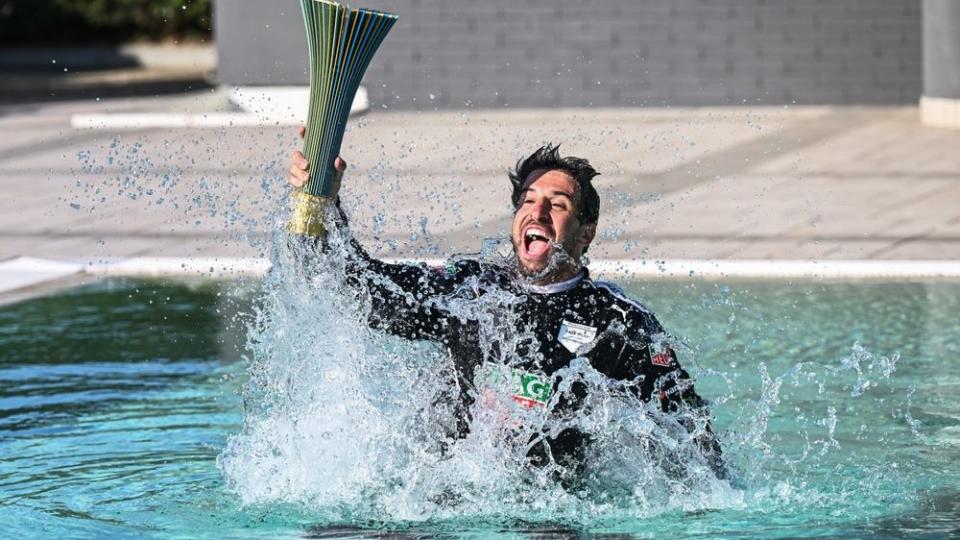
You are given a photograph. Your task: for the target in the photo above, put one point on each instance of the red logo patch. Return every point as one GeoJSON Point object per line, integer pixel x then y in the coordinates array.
{"type": "Point", "coordinates": [660, 355]}
{"type": "Point", "coordinates": [662, 359]}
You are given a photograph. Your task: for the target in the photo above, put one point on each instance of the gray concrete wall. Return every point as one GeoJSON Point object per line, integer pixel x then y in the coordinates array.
{"type": "Point", "coordinates": [260, 42]}
{"type": "Point", "coordinates": [941, 48]}
{"type": "Point", "coordinates": [542, 53]}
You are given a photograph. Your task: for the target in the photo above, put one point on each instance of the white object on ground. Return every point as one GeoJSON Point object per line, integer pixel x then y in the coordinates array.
{"type": "Point", "coordinates": [940, 112]}
{"type": "Point", "coordinates": [261, 106]}
{"type": "Point", "coordinates": [24, 272]}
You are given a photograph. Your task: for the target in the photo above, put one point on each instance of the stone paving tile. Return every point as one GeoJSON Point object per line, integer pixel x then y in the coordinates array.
{"type": "Point", "coordinates": [98, 249]}
{"type": "Point", "coordinates": [653, 249]}
{"type": "Point", "coordinates": [848, 248]}
{"type": "Point", "coordinates": [921, 249]}
{"type": "Point", "coordinates": [894, 144]}
{"type": "Point", "coordinates": [881, 207]}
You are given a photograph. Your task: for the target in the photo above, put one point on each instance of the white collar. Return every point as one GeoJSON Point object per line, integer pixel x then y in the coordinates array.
{"type": "Point", "coordinates": [556, 287]}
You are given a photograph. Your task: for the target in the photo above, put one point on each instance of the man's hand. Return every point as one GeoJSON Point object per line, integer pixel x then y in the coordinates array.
{"type": "Point", "coordinates": [299, 170]}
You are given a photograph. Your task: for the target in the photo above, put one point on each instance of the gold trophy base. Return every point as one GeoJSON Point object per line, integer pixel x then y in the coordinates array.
{"type": "Point", "coordinates": [308, 213]}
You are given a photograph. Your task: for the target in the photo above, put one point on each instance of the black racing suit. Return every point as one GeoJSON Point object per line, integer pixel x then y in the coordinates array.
{"type": "Point", "coordinates": [542, 329]}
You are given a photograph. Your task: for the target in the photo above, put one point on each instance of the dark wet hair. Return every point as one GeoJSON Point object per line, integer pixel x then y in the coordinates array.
{"type": "Point", "coordinates": [548, 158]}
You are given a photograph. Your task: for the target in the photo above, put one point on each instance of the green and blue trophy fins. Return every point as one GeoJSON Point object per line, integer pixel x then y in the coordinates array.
{"type": "Point", "coordinates": [342, 41]}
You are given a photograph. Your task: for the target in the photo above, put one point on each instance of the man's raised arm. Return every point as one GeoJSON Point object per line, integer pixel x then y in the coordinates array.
{"type": "Point", "coordinates": [401, 295]}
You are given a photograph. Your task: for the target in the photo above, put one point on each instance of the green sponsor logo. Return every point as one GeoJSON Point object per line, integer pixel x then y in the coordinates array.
{"type": "Point", "coordinates": [527, 389]}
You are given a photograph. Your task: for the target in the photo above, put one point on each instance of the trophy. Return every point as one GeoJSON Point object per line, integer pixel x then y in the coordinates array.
{"type": "Point", "coordinates": [342, 41]}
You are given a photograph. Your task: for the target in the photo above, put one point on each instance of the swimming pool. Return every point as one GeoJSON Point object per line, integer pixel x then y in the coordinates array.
{"type": "Point", "coordinates": [837, 404]}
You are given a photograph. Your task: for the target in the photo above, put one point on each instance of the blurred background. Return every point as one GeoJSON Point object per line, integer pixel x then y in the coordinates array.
{"type": "Point", "coordinates": [740, 130]}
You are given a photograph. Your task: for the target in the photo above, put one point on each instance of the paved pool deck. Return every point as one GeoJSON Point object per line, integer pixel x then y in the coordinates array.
{"type": "Point", "coordinates": [795, 183]}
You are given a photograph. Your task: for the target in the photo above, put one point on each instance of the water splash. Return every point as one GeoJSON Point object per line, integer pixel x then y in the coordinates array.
{"type": "Point", "coordinates": [348, 421]}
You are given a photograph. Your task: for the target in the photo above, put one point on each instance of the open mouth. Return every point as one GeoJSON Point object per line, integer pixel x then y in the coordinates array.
{"type": "Point", "coordinates": [536, 242]}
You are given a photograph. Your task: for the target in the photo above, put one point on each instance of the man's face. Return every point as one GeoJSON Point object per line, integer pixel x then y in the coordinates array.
{"type": "Point", "coordinates": [547, 215]}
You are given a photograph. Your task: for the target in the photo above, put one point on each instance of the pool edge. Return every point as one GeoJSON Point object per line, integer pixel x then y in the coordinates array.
{"type": "Point", "coordinates": [47, 276]}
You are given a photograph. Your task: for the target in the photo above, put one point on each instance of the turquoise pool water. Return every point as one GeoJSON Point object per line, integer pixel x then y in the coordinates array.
{"type": "Point", "coordinates": [837, 404]}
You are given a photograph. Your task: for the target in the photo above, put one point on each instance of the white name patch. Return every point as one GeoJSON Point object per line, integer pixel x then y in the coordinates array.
{"type": "Point", "coordinates": [573, 335]}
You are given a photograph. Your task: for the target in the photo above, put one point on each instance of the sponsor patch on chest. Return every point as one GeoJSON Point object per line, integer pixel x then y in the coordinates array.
{"type": "Point", "coordinates": [447, 270]}
{"type": "Point", "coordinates": [527, 389]}
{"type": "Point", "coordinates": [573, 335]}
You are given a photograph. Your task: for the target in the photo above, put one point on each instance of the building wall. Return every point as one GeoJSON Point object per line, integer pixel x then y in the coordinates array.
{"type": "Point", "coordinates": [941, 54]}
{"type": "Point", "coordinates": [544, 53]}
{"type": "Point", "coordinates": [260, 42]}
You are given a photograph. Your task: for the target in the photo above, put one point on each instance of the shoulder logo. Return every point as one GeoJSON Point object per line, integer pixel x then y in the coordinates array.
{"type": "Point", "coordinates": [573, 335]}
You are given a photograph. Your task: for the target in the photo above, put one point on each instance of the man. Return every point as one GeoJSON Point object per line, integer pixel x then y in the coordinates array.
{"type": "Point", "coordinates": [521, 322]}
